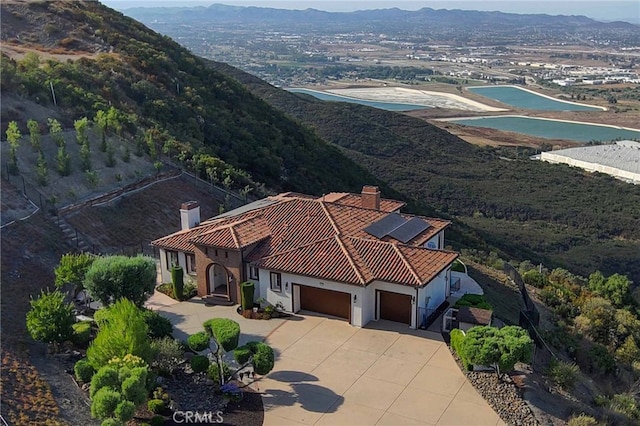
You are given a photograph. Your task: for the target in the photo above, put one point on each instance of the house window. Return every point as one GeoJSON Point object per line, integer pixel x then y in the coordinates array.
{"type": "Point", "coordinates": [172, 259]}
{"type": "Point", "coordinates": [191, 263]}
{"type": "Point", "coordinates": [276, 281]}
{"type": "Point", "coordinates": [253, 272]}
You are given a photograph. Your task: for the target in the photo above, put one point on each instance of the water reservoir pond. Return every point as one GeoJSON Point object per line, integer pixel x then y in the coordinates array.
{"type": "Point", "coordinates": [389, 106]}
{"type": "Point", "coordinates": [520, 98]}
{"type": "Point", "coordinates": [552, 129]}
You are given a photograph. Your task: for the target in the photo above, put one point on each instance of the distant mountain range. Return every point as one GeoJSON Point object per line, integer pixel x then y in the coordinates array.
{"type": "Point", "coordinates": [467, 19]}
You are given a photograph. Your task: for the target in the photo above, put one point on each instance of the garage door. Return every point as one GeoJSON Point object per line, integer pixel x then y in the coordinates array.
{"type": "Point", "coordinates": [327, 302]}
{"type": "Point", "coordinates": [395, 307]}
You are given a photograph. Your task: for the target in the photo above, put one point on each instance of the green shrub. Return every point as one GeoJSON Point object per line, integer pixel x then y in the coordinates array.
{"type": "Point", "coordinates": [263, 358]}
{"type": "Point", "coordinates": [156, 406]}
{"type": "Point", "coordinates": [199, 363]}
{"type": "Point", "coordinates": [83, 371]}
{"type": "Point", "coordinates": [177, 281]}
{"type": "Point", "coordinates": [226, 332]}
{"type": "Point", "coordinates": [157, 421]}
{"type": "Point", "coordinates": [500, 348]}
{"type": "Point", "coordinates": [50, 318]}
{"type": "Point", "coordinates": [159, 326]}
{"type": "Point", "coordinates": [582, 420]}
{"type": "Point", "coordinates": [534, 278]}
{"type": "Point", "coordinates": [242, 354]}
{"type": "Point", "coordinates": [213, 371]}
{"type": "Point", "coordinates": [247, 290]}
{"type": "Point", "coordinates": [81, 333]}
{"type": "Point", "coordinates": [626, 405]}
{"type": "Point", "coordinates": [110, 278]}
{"type": "Point", "coordinates": [105, 377]}
{"type": "Point", "coordinates": [457, 336]}
{"type": "Point", "coordinates": [111, 422]}
{"type": "Point", "coordinates": [105, 402]}
{"type": "Point", "coordinates": [199, 341]}
{"type": "Point", "coordinates": [128, 361]}
{"type": "Point", "coordinates": [457, 266]}
{"type": "Point", "coordinates": [168, 354]}
{"type": "Point", "coordinates": [563, 374]}
{"type": "Point", "coordinates": [125, 411]}
{"type": "Point", "coordinates": [601, 360]}
{"type": "Point", "coordinates": [134, 388]}
{"type": "Point", "coordinates": [474, 301]}
{"type": "Point", "coordinates": [123, 332]}
{"type": "Point", "coordinates": [72, 269]}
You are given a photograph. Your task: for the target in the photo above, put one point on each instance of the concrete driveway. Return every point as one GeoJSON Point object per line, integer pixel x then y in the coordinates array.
{"type": "Point", "coordinates": [329, 373]}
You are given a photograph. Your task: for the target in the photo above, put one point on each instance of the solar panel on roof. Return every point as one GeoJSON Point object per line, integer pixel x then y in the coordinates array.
{"type": "Point", "coordinates": [409, 230]}
{"type": "Point", "coordinates": [384, 226]}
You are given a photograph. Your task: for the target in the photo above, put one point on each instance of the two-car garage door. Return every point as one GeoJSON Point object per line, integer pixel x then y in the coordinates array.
{"type": "Point", "coordinates": [325, 301]}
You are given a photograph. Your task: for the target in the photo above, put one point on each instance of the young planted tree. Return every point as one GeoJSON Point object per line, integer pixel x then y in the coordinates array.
{"type": "Point", "coordinates": [102, 121]}
{"type": "Point", "coordinates": [50, 319]}
{"type": "Point", "coordinates": [121, 331]}
{"type": "Point", "coordinates": [42, 171]}
{"type": "Point", "coordinates": [72, 269]}
{"type": "Point", "coordinates": [114, 120]}
{"type": "Point", "coordinates": [110, 278]}
{"type": "Point", "coordinates": [110, 161]}
{"type": "Point", "coordinates": [500, 348]}
{"type": "Point", "coordinates": [34, 134]}
{"type": "Point", "coordinates": [63, 161]}
{"type": "Point", "coordinates": [13, 137]}
{"type": "Point", "coordinates": [55, 131]}
{"type": "Point", "coordinates": [85, 157]}
{"type": "Point", "coordinates": [81, 130]}
{"type": "Point", "coordinates": [177, 281]}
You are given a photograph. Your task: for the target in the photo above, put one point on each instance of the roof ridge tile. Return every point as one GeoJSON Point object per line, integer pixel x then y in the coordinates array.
{"type": "Point", "coordinates": [350, 260]}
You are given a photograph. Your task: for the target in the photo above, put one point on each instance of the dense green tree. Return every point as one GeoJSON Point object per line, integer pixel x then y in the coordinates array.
{"type": "Point", "coordinates": [50, 319]}
{"type": "Point", "coordinates": [116, 391]}
{"type": "Point", "coordinates": [110, 278]}
{"type": "Point", "coordinates": [122, 331]}
{"type": "Point", "coordinates": [616, 288]}
{"type": "Point", "coordinates": [34, 134]}
{"type": "Point", "coordinates": [72, 269]}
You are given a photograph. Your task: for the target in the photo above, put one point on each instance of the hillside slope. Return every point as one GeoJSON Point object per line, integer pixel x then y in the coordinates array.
{"type": "Point", "coordinates": [162, 94]}
{"type": "Point", "coordinates": [530, 210]}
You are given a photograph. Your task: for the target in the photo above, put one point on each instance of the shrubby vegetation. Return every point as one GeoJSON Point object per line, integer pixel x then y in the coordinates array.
{"type": "Point", "coordinates": [110, 278]}
{"type": "Point", "coordinates": [500, 348]}
{"type": "Point", "coordinates": [50, 319]}
{"type": "Point", "coordinates": [122, 331]}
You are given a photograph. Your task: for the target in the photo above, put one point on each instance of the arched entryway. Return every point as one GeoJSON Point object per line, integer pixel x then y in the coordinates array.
{"type": "Point", "coordinates": [218, 278]}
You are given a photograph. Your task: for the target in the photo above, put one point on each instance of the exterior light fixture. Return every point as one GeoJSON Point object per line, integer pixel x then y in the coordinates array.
{"type": "Point", "coordinates": [286, 285]}
{"type": "Point", "coordinates": [355, 298]}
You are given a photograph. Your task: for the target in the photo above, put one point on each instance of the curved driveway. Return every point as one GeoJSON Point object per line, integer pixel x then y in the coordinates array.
{"type": "Point", "coordinates": [329, 373]}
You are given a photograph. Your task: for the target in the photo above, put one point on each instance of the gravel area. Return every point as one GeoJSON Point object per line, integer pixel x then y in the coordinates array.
{"type": "Point", "coordinates": [502, 395]}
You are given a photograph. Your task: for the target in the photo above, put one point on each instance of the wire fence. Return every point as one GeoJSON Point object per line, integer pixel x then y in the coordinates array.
{"type": "Point", "coordinates": [530, 318]}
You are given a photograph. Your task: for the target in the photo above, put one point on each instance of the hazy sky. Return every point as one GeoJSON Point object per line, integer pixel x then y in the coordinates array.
{"type": "Point", "coordinates": [598, 9]}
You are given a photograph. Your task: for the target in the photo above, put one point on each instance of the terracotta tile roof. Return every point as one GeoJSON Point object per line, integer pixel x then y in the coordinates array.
{"type": "Point", "coordinates": [355, 200]}
{"type": "Point", "coordinates": [308, 236]}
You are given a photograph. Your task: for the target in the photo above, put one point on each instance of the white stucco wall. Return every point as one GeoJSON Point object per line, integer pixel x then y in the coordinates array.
{"type": "Point", "coordinates": [437, 239]}
{"type": "Point", "coordinates": [166, 269]}
{"type": "Point", "coordinates": [436, 290]}
{"type": "Point", "coordinates": [287, 296]}
{"type": "Point", "coordinates": [364, 308]}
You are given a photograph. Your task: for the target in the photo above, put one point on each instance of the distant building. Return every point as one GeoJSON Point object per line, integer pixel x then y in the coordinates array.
{"type": "Point", "coordinates": [621, 159]}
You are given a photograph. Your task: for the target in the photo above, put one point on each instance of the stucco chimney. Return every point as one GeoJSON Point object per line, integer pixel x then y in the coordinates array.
{"type": "Point", "coordinates": [189, 215]}
{"type": "Point", "coordinates": [371, 197]}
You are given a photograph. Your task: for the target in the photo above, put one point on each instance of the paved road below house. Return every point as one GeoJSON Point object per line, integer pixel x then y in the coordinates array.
{"type": "Point", "coordinates": [329, 373]}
